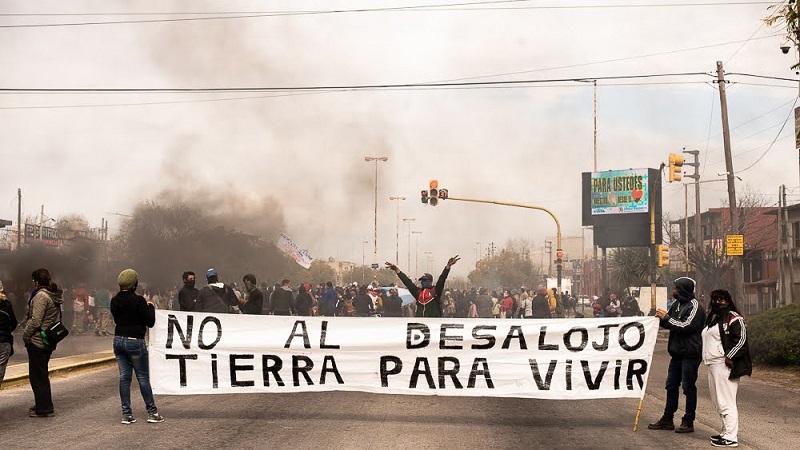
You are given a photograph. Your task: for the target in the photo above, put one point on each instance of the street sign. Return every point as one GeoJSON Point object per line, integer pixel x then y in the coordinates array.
{"type": "Point", "coordinates": [734, 244]}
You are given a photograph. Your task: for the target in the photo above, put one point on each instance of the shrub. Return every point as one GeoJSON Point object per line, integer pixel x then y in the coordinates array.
{"type": "Point", "coordinates": [774, 336]}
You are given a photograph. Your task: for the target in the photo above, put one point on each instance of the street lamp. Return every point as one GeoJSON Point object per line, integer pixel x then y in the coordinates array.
{"type": "Point", "coordinates": [477, 254]}
{"type": "Point", "coordinates": [409, 220]}
{"type": "Point", "coordinates": [375, 221]}
{"type": "Point", "coordinates": [416, 251]}
{"type": "Point", "coordinates": [397, 230]}
{"type": "Point", "coordinates": [363, 251]}
{"type": "Point", "coordinates": [428, 258]}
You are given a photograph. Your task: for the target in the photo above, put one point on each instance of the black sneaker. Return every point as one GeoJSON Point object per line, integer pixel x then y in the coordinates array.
{"type": "Point", "coordinates": [662, 424]}
{"type": "Point", "coordinates": [716, 437]}
{"type": "Point", "coordinates": [155, 418]}
{"type": "Point", "coordinates": [722, 442]}
{"type": "Point", "coordinates": [33, 413]}
{"type": "Point", "coordinates": [127, 420]}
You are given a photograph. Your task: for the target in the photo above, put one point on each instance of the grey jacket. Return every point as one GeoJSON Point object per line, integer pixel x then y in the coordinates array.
{"type": "Point", "coordinates": [44, 312]}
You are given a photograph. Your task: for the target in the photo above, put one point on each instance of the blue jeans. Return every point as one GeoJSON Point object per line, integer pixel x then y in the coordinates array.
{"type": "Point", "coordinates": [682, 372]}
{"type": "Point", "coordinates": [131, 357]}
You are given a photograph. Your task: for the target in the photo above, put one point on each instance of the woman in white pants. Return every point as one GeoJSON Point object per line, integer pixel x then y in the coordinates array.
{"type": "Point", "coordinates": [727, 356]}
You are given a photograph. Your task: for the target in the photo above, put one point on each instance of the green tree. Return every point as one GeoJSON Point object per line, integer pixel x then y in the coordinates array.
{"type": "Point", "coordinates": [787, 15]}
{"type": "Point", "coordinates": [318, 273]}
{"type": "Point", "coordinates": [508, 268]}
{"type": "Point", "coordinates": [628, 266]}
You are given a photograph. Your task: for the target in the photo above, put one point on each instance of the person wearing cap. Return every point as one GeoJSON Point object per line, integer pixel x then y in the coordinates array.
{"type": "Point", "coordinates": [133, 315]}
{"type": "Point", "coordinates": [684, 320]}
{"type": "Point", "coordinates": [217, 297]}
{"type": "Point", "coordinates": [428, 296]}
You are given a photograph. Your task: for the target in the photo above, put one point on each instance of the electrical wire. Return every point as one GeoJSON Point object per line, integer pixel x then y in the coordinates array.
{"type": "Point", "coordinates": [471, 6]}
{"type": "Point", "coordinates": [766, 77]}
{"type": "Point", "coordinates": [791, 112]}
{"type": "Point", "coordinates": [252, 97]}
{"type": "Point", "coordinates": [340, 87]}
{"type": "Point", "coordinates": [745, 42]}
{"type": "Point", "coordinates": [606, 61]}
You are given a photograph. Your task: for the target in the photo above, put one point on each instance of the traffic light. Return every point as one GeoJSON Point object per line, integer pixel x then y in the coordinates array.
{"type": "Point", "coordinates": [433, 193]}
{"type": "Point", "coordinates": [663, 255]}
{"type": "Point", "coordinates": [425, 196]}
{"type": "Point", "coordinates": [675, 164]}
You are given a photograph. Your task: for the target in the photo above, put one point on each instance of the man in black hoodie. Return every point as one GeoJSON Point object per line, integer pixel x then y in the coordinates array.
{"type": "Point", "coordinates": [187, 296]}
{"type": "Point", "coordinates": [684, 320]}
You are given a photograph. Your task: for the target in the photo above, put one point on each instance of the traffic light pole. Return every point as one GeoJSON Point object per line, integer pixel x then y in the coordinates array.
{"type": "Point", "coordinates": [559, 250]}
{"type": "Point", "coordinates": [653, 245]}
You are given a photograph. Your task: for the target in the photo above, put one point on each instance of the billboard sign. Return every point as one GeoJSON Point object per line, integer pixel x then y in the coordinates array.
{"type": "Point", "coordinates": [620, 191]}
{"type": "Point", "coordinates": [617, 205]}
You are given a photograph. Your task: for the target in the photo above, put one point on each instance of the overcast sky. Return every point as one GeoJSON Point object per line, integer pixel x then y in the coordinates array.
{"type": "Point", "coordinates": [100, 154]}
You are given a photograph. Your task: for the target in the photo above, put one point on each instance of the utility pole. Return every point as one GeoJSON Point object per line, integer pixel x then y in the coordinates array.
{"type": "Point", "coordinates": [416, 251]}
{"type": "Point", "coordinates": [19, 218]}
{"type": "Point", "coordinates": [738, 280]}
{"type": "Point", "coordinates": [548, 246]}
{"type": "Point", "coordinates": [789, 249]}
{"type": "Point", "coordinates": [409, 220]}
{"type": "Point", "coordinates": [781, 238]}
{"type": "Point", "coordinates": [698, 234]}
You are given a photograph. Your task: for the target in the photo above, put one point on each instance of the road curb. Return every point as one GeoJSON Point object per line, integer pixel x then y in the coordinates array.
{"type": "Point", "coordinates": [59, 370]}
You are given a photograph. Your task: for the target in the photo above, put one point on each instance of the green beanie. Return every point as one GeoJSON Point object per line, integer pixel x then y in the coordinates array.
{"type": "Point", "coordinates": [127, 279]}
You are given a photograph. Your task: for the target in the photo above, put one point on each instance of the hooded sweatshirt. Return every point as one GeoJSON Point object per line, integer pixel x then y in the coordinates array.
{"type": "Point", "coordinates": [685, 321]}
{"type": "Point", "coordinates": [44, 311]}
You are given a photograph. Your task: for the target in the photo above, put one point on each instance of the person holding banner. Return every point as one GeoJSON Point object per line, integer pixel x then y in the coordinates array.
{"type": "Point", "coordinates": [428, 296]}
{"type": "Point", "coordinates": [684, 320]}
{"type": "Point", "coordinates": [133, 315]}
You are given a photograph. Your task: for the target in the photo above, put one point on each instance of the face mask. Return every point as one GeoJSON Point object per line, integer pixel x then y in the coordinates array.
{"type": "Point", "coordinates": [718, 307]}
{"type": "Point", "coordinates": [189, 283]}
{"type": "Point", "coordinates": [426, 284]}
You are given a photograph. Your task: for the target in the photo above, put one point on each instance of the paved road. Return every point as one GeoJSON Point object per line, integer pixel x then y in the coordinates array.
{"type": "Point", "coordinates": [88, 417]}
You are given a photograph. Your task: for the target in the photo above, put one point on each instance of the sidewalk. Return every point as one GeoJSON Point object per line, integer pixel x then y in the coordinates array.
{"type": "Point", "coordinates": [17, 374]}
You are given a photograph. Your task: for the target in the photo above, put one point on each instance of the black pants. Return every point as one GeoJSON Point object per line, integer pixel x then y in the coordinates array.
{"type": "Point", "coordinates": [38, 360]}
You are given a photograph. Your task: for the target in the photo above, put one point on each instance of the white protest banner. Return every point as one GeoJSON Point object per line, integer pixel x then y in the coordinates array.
{"type": "Point", "coordinates": [300, 256]}
{"type": "Point", "coordinates": [198, 353]}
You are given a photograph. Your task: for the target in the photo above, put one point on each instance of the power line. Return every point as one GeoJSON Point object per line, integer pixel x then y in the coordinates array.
{"type": "Point", "coordinates": [791, 111]}
{"type": "Point", "coordinates": [255, 97]}
{"type": "Point", "coordinates": [766, 77]}
{"type": "Point", "coordinates": [338, 87]}
{"type": "Point", "coordinates": [470, 6]}
{"type": "Point", "coordinates": [745, 42]}
{"type": "Point", "coordinates": [605, 61]}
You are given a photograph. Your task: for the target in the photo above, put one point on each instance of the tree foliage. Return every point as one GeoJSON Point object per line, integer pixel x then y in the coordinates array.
{"type": "Point", "coordinates": [508, 268]}
{"type": "Point", "coordinates": [629, 266]}
{"type": "Point", "coordinates": [786, 15]}
{"type": "Point", "coordinates": [161, 241]}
